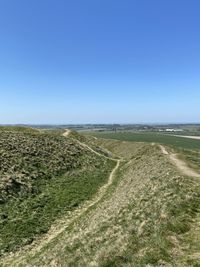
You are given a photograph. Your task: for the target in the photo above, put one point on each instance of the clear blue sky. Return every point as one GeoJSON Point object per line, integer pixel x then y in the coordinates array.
{"type": "Point", "coordinates": [96, 61]}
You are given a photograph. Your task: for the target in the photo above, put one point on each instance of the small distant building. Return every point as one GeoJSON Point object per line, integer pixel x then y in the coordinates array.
{"type": "Point", "coordinates": [173, 130]}
{"type": "Point", "coordinates": [170, 130]}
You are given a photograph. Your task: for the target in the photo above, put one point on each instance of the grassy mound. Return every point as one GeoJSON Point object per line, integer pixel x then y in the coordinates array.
{"type": "Point", "coordinates": [41, 177]}
{"type": "Point", "coordinates": [148, 216]}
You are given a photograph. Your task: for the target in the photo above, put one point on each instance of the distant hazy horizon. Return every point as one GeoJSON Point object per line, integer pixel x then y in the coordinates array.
{"type": "Point", "coordinates": [87, 62]}
{"type": "Point", "coordinates": [101, 123]}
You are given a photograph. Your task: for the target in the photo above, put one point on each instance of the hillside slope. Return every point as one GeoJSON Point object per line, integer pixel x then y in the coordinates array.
{"type": "Point", "coordinates": [147, 216]}
{"type": "Point", "coordinates": [42, 177]}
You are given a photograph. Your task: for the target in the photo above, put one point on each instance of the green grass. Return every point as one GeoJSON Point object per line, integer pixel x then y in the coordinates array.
{"type": "Point", "coordinates": [151, 137]}
{"type": "Point", "coordinates": [192, 157]}
{"type": "Point", "coordinates": [179, 198]}
{"type": "Point", "coordinates": [42, 176]}
{"type": "Point", "coordinates": [145, 217]}
{"type": "Point", "coordinates": [155, 194]}
{"type": "Point", "coordinates": [18, 129]}
{"type": "Point", "coordinates": [23, 219]}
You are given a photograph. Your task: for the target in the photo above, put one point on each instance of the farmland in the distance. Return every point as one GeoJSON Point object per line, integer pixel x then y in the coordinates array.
{"type": "Point", "coordinates": [189, 149]}
{"type": "Point", "coordinates": [153, 137]}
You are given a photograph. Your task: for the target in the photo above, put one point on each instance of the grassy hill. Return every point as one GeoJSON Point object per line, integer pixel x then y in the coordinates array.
{"type": "Point", "coordinates": [147, 215]}
{"type": "Point", "coordinates": [42, 176]}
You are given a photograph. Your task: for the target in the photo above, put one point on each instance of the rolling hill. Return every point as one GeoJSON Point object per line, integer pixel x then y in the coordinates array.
{"type": "Point", "coordinates": [83, 201]}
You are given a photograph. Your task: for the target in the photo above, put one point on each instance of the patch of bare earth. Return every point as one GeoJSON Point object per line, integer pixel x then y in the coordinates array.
{"type": "Point", "coordinates": [66, 133]}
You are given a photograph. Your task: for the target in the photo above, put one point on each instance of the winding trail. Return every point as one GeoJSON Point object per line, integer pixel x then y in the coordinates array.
{"type": "Point", "coordinates": [65, 223]}
{"type": "Point", "coordinates": [66, 134]}
{"type": "Point", "coordinates": [180, 164]}
{"type": "Point", "coordinates": [61, 225]}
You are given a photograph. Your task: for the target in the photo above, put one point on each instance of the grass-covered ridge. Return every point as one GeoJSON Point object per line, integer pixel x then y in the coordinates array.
{"type": "Point", "coordinates": [147, 215]}
{"type": "Point", "coordinates": [146, 218]}
{"type": "Point", "coordinates": [42, 176]}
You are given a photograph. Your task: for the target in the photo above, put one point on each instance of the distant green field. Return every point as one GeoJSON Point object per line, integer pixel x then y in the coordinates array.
{"type": "Point", "coordinates": [151, 137]}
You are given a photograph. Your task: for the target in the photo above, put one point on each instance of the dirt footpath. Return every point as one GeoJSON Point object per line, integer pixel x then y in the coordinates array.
{"type": "Point", "coordinates": [180, 164]}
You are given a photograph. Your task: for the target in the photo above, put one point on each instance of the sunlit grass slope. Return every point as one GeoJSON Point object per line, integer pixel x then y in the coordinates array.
{"type": "Point", "coordinates": [42, 176]}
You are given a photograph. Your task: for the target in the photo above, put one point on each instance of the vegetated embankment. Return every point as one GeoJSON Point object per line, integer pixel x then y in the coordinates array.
{"type": "Point", "coordinates": [145, 217]}
{"type": "Point", "coordinates": [43, 177]}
